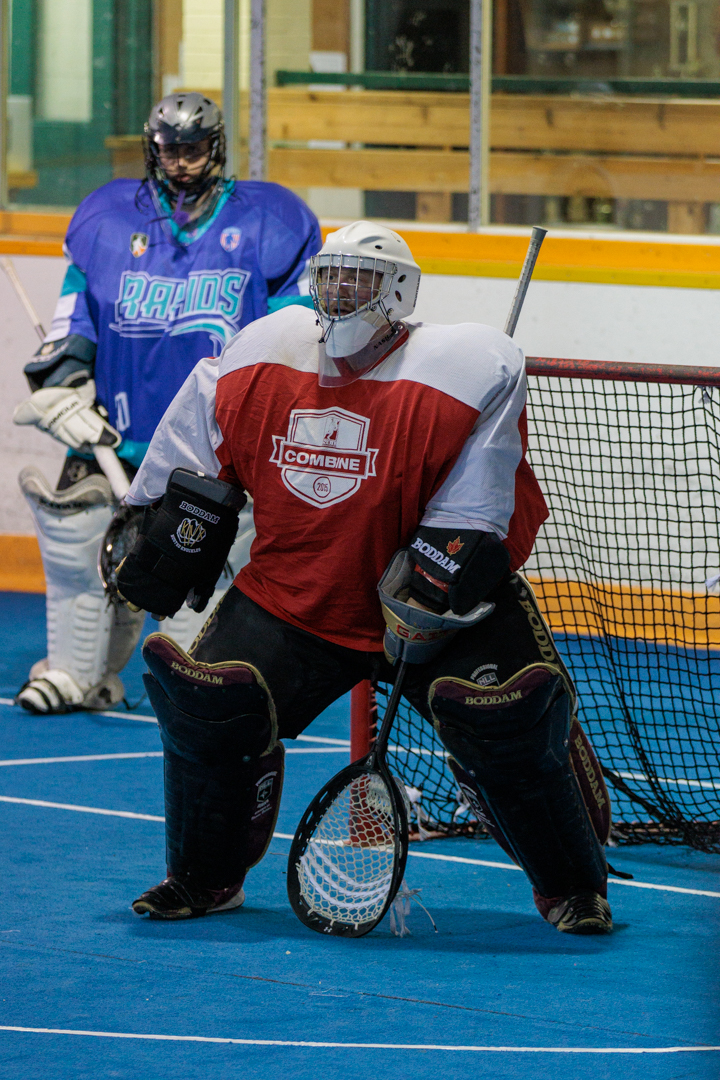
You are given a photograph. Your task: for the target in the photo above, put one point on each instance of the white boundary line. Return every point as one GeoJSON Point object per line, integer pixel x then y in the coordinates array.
{"type": "Point", "coordinates": [288, 836]}
{"type": "Point", "coordinates": [114, 715]}
{"type": "Point", "coordinates": [81, 809]}
{"type": "Point", "coordinates": [79, 757]}
{"type": "Point", "coordinates": [611, 880]}
{"type": "Point", "coordinates": [679, 781]}
{"type": "Point", "coordinates": [418, 751]}
{"type": "Point", "coordinates": [373, 1046]}
{"type": "Point", "coordinates": [150, 754]}
{"type": "Point", "coordinates": [316, 749]}
{"type": "Point", "coordinates": [123, 716]}
{"type": "Point", "coordinates": [339, 743]}
{"type": "Point", "coordinates": [414, 854]}
{"type": "Point", "coordinates": [323, 739]}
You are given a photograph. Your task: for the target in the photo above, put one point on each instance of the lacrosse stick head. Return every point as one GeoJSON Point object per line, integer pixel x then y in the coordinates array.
{"type": "Point", "coordinates": [348, 856]}
{"type": "Point", "coordinates": [118, 542]}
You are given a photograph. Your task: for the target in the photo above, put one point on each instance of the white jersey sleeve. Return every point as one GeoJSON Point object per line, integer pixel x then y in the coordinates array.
{"type": "Point", "coordinates": [186, 437]}
{"type": "Point", "coordinates": [483, 368]}
{"type": "Point", "coordinates": [479, 492]}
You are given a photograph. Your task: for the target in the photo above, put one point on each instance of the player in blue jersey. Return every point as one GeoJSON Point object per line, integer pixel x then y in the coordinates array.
{"type": "Point", "coordinates": [159, 276]}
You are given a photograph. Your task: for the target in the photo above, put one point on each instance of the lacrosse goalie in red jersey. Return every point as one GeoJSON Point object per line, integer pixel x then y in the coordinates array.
{"type": "Point", "coordinates": [375, 450]}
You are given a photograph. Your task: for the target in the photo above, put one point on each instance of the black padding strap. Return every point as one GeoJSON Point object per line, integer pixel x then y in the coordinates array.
{"type": "Point", "coordinates": [455, 569]}
{"type": "Point", "coordinates": [183, 544]}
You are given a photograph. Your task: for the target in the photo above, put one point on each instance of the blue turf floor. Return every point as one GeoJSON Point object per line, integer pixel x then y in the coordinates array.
{"type": "Point", "coordinates": [75, 958]}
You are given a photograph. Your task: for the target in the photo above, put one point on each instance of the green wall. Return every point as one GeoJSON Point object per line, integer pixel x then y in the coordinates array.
{"type": "Point", "coordinates": [70, 158]}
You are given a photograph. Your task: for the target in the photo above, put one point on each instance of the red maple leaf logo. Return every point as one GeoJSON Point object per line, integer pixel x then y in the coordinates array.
{"type": "Point", "coordinates": [454, 546]}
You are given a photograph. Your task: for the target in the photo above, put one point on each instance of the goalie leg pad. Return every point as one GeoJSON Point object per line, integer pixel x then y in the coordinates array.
{"type": "Point", "coordinates": [589, 776]}
{"type": "Point", "coordinates": [214, 692]}
{"type": "Point", "coordinates": [514, 741]}
{"type": "Point", "coordinates": [222, 792]}
{"type": "Point", "coordinates": [126, 631]}
{"type": "Point", "coordinates": [591, 780]}
{"type": "Point", "coordinates": [477, 804]}
{"type": "Point", "coordinates": [85, 648]}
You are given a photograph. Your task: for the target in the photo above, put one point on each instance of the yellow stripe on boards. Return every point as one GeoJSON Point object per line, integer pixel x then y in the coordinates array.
{"type": "Point", "coordinates": [667, 617]}
{"type": "Point", "coordinates": [670, 617]}
{"type": "Point", "coordinates": [20, 564]}
{"type": "Point", "coordinates": [672, 262]}
{"type": "Point", "coordinates": [668, 262]}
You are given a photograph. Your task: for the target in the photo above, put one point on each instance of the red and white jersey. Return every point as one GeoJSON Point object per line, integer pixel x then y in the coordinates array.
{"type": "Point", "coordinates": [342, 476]}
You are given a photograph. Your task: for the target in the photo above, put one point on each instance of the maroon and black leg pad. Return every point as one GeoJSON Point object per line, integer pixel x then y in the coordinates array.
{"type": "Point", "coordinates": [223, 764]}
{"type": "Point", "coordinates": [591, 781]}
{"type": "Point", "coordinates": [514, 742]}
{"type": "Point", "coordinates": [477, 804]}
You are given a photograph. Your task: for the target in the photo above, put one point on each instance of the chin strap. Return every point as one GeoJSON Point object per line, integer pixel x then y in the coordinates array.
{"type": "Point", "coordinates": [181, 217]}
{"type": "Point", "coordinates": [186, 197]}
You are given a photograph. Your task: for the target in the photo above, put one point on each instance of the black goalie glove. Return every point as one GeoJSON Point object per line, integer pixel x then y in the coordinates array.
{"type": "Point", "coordinates": [182, 546]}
{"type": "Point", "coordinates": [455, 570]}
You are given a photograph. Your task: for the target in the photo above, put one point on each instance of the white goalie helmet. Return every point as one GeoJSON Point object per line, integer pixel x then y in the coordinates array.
{"type": "Point", "coordinates": [363, 279]}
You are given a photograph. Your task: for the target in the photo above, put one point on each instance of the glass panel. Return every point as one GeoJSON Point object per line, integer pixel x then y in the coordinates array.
{"type": "Point", "coordinates": [602, 115]}
{"type": "Point", "coordinates": [602, 112]}
{"type": "Point", "coordinates": [80, 77]}
{"type": "Point", "coordinates": [429, 36]}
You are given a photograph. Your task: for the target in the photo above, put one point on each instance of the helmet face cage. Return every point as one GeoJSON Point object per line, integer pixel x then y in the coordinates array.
{"type": "Point", "coordinates": [199, 183]}
{"type": "Point", "coordinates": [184, 119]}
{"type": "Point", "coordinates": [337, 281]}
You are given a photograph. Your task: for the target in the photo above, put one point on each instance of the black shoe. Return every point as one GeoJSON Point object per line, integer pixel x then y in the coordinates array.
{"type": "Point", "coordinates": [176, 899]}
{"type": "Point", "coordinates": [585, 913]}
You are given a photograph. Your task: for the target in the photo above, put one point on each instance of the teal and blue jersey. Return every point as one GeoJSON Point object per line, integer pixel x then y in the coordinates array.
{"type": "Point", "coordinates": [155, 298]}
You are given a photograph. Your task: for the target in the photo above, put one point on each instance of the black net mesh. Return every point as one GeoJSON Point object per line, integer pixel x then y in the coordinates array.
{"type": "Point", "coordinates": [631, 474]}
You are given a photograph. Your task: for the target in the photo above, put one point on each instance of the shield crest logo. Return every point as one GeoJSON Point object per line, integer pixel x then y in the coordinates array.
{"type": "Point", "coordinates": [230, 238]}
{"type": "Point", "coordinates": [139, 244]}
{"type": "Point", "coordinates": [264, 801]}
{"type": "Point", "coordinates": [324, 457]}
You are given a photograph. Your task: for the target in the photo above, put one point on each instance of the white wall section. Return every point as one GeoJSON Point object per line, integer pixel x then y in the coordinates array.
{"type": "Point", "coordinates": [631, 323]}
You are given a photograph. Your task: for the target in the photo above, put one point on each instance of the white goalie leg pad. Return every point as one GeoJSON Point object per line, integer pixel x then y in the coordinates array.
{"type": "Point", "coordinates": [70, 526]}
{"type": "Point", "coordinates": [187, 625]}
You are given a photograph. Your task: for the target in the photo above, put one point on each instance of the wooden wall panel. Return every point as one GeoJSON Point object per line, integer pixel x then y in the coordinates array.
{"type": "Point", "coordinates": [515, 173]}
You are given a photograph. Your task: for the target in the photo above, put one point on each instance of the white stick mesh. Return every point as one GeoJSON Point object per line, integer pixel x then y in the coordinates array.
{"type": "Point", "coordinates": [346, 871]}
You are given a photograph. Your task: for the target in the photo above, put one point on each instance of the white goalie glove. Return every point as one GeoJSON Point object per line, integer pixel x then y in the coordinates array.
{"type": "Point", "coordinates": [67, 413]}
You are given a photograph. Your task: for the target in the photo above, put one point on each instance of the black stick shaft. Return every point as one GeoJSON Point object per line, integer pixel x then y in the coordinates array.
{"type": "Point", "coordinates": [389, 716]}
{"type": "Point", "coordinates": [536, 239]}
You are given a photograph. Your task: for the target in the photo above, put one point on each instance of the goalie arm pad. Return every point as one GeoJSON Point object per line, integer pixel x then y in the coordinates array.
{"type": "Point", "coordinates": [455, 569]}
{"type": "Point", "coordinates": [183, 544]}
{"type": "Point", "coordinates": [68, 362]}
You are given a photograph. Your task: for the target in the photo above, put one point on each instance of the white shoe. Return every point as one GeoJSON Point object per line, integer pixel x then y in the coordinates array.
{"type": "Point", "coordinates": [50, 692]}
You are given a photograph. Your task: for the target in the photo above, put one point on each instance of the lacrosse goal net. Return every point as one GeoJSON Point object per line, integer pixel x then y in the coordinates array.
{"type": "Point", "coordinates": [626, 570]}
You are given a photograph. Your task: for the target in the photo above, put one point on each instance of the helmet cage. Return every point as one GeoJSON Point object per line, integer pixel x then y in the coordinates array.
{"type": "Point", "coordinates": [184, 119]}
{"type": "Point", "coordinates": [152, 141]}
{"type": "Point", "coordinates": [343, 272]}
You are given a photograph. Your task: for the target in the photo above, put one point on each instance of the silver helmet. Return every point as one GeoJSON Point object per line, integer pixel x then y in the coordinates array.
{"type": "Point", "coordinates": [180, 119]}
